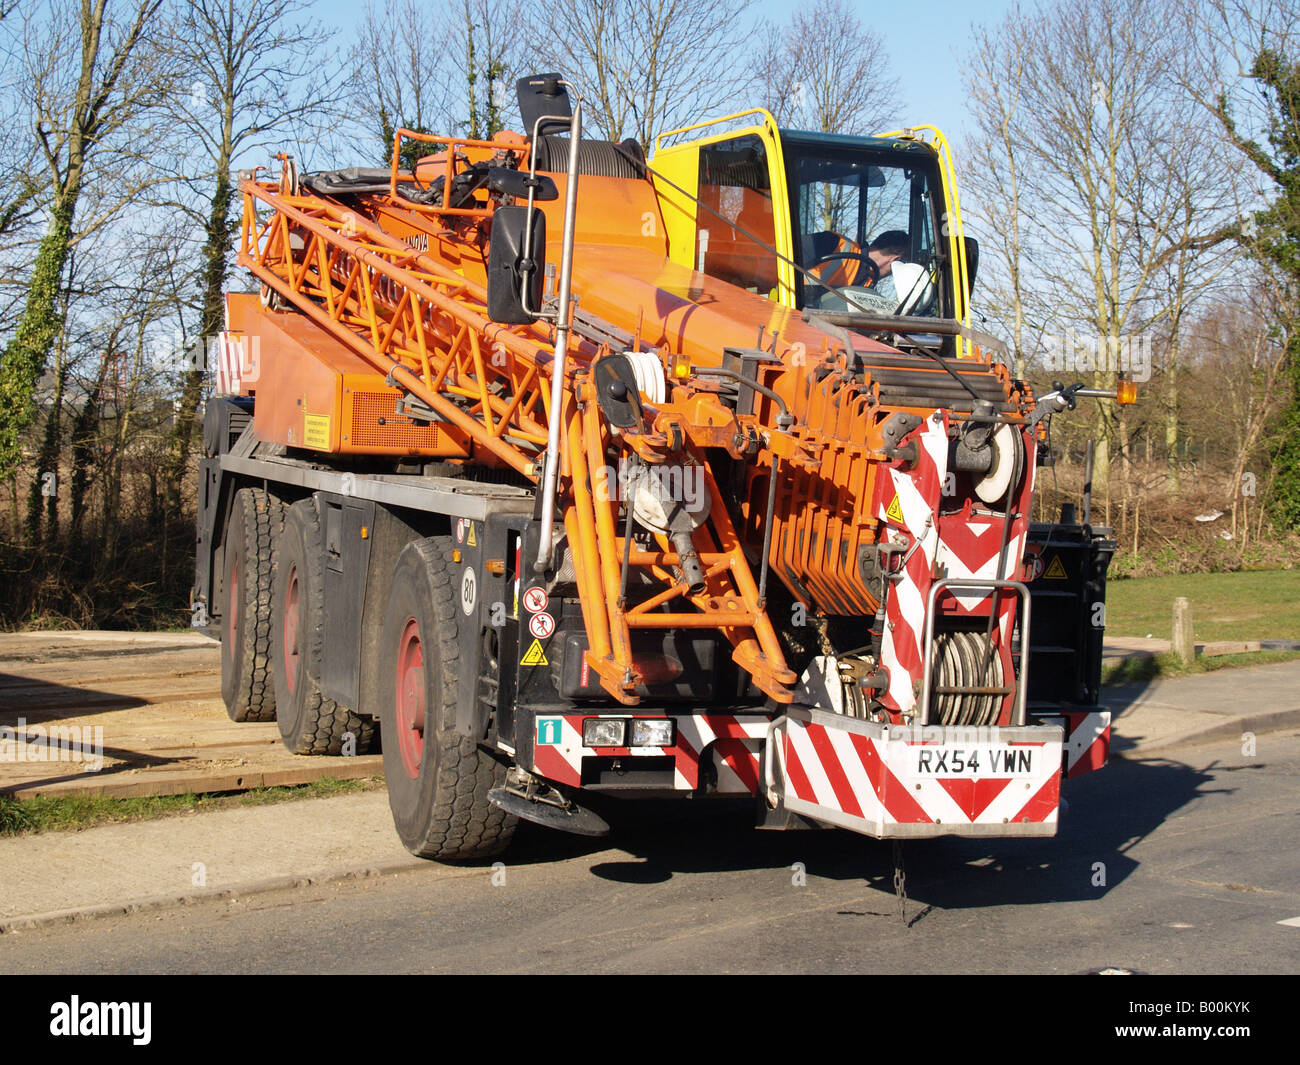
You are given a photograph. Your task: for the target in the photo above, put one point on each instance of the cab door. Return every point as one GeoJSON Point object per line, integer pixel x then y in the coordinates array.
{"type": "Point", "coordinates": [738, 176]}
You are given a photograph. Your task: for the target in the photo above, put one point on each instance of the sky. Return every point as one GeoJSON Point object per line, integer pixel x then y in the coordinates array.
{"type": "Point", "coordinates": [926, 39]}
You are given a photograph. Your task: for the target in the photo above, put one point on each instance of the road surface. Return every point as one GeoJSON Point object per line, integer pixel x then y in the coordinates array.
{"type": "Point", "coordinates": [1183, 864]}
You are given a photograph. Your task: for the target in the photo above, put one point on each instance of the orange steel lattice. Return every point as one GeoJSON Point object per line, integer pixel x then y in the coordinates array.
{"type": "Point", "coordinates": [425, 326]}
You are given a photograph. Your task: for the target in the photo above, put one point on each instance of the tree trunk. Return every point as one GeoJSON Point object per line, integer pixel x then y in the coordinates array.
{"type": "Point", "coordinates": [43, 500]}
{"type": "Point", "coordinates": [215, 251]}
{"type": "Point", "coordinates": [24, 359]}
{"type": "Point", "coordinates": [83, 434]}
{"type": "Point", "coordinates": [1171, 414]}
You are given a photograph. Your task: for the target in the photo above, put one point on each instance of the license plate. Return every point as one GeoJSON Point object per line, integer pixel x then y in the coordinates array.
{"type": "Point", "coordinates": [997, 760]}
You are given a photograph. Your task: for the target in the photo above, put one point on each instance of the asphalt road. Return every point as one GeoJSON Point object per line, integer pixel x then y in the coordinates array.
{"type": "Point", "coordinates": [1198, 857]}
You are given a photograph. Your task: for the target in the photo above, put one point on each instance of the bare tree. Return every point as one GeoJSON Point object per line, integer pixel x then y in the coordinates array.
{"type": "Point", "coordinates": [824, 70]}
{"type": "Point", "coordinates": [432, 70]}
{"type": "Point", "coordinates": [1239, 350]}
{"type": "Point", "coordinates": [487, 33]}
{"type": "Point", "coordinates": [993, 178]}
{"type": "Point", "coordinates": [646, 66]}
{"type": "Point", "coordinates": [22, 184]}
{"type": "Point", "coordinates": [258, 70]}
{"type": "Point", "coordinates": [89, 73]}
{"type": "Point", "coordinates": [1246, 74]}
{"type": "Point", "coordinates": [402, 72]}
{"type": "Point", "coordinates": [1108, 187]}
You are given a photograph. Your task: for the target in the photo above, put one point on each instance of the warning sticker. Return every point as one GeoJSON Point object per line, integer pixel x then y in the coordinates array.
{"type": "Point", "coordinates": [535, 656]}
{"type": "Point", "coordinates": [471, 540]}
{"type": "Point", "coordinates": [541, 625]}
{"type": "Point", "coordinates": [316, 431]}
{"type": "Point", "coordinates": [895, 511]}
{"type": "Point", "coordinates": [1055, 571]}
{"type": "Point", "coordinates": [535, 599]}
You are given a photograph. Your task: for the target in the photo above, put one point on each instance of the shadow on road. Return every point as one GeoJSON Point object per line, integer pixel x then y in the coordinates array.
{"type": "Point", "coordinates": [1109, 813]}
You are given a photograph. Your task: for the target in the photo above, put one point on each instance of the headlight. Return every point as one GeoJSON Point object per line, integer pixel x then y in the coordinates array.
{"type": "Point", "coordinates": [652, 732]}
{"type": "Point", "coordinates": [604, 732]}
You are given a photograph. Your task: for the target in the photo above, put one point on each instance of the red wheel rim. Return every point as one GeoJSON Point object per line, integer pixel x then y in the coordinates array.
{"type": "Point", "coordinates": [410, 698]}
{"type": "Point", "coordinates": [291, 629]}
{"type": "Point", "coordinates": [233, 613]}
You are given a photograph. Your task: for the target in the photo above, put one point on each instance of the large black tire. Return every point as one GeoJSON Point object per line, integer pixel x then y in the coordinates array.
{"type": "Point", "coordinates": [309, 722]}
{"type": "Point", "coordinates": [437, 779]}
{"type": "Point", "coordinates": [251, 541]}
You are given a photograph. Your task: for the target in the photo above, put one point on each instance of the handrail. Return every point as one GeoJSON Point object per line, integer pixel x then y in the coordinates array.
{"type": "Point", "coordinates": [767, 116]}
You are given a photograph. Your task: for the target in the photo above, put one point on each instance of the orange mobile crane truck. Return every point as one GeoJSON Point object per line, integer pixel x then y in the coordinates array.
{"type": "Point", "coordinates": [566, 471]}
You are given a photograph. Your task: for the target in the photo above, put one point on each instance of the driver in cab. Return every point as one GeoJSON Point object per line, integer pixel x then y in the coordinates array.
{"type": "Point", "coordinates": [890, 247]}
{"type": "Point", "coordinates": [881, 281]}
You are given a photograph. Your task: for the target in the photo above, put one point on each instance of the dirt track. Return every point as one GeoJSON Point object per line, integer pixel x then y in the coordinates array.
{"type": "Point", "coordinates": [145, 707]}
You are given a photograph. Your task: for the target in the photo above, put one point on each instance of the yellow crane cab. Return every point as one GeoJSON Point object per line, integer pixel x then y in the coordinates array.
{"type": "Point", "coordinates": [874, 222]}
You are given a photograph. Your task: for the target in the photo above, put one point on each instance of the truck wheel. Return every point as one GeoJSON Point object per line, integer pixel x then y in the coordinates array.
{"type": "Point", "coordinates": [252, 538]}
{"type": "Point", "coordinates": [437, 779]}
{"type": "Point", "coordinates": [309, 722]}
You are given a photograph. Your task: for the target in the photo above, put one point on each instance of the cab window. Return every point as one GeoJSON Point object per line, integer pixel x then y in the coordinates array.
{"type": "Point", "coordinates": [734, 182]}
{"type": "Point", "coordinates": [864, 223]}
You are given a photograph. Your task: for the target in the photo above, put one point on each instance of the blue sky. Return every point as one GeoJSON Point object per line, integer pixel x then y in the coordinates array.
{"type": "Point", "coordinates": [926, 39]}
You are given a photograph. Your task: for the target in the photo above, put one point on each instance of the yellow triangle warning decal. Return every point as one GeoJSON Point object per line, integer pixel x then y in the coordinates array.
{"type": "Point", "coordinates": [1055, 571]}
{"type": "Point", "coordinates": [535, 656]}
{"type": "Point", "coordinates": [470, 539]}
{"type": "Point", "coordinates": [895, 511]}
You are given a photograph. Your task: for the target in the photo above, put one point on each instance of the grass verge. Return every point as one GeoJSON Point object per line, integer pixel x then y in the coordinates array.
{"type": "Point", "coordinates": [1261, 605]}
{"type": "Point", "coordinates": [58, 813]}
{"type": "Point", "coordinates": [1144, 668]}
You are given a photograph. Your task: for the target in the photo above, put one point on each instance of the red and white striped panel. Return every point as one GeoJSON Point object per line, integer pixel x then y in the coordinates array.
{"type": "Point", "coordinates": [736, 742]}
{"type": "Point", "coordinates": [970, 544]}
{"type": "Point", "coordinates": [1087, 741]}
{"type": "Point", "coordinates": [969, 549]}
{"type": "Point", "coordinates": [891, 782]}
{"type": "Point", "coordinates": [918, 492]}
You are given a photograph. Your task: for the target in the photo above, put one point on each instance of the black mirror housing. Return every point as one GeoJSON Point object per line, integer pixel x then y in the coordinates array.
{"type": "Point", "coordinates": [516, 183]}
{"type": "Point", "coordinates": [510, 276]}
{"type": "Point", "coordinates": [972, 262]}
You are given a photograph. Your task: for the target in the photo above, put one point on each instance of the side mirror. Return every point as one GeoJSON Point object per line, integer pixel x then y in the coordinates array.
{"type": "Point", "coordinates": [514, 281]}
{"type": "Point", "coordinates": [542, 96]}
{"type": "Point", "coordinates": [972, 262]}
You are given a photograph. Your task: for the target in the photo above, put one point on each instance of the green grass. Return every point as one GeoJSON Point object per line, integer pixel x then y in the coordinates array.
{"type": "Point", "coordinates": [54, 813]}
{"type": "Point", "coordinates": [1263, 605]}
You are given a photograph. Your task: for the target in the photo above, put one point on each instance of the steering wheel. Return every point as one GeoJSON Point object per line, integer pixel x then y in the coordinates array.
{"type": "Point", "coordinates": [864, 260]}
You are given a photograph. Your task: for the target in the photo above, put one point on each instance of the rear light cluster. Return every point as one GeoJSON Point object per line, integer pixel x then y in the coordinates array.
{"type": "Point", "coordinates": [627, 732]}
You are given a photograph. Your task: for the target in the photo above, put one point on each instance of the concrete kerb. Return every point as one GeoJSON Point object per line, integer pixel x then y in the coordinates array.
{"type": "Point", "coordinates": [154, 903]}
{"type": "Point", "coordinates": [1272, 721]}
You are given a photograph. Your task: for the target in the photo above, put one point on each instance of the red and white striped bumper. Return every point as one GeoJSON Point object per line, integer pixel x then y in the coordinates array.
{"type": "Point", "coordinates": [880, 780]}
{"type": "Point", "coordinates": [1087, 741]}
{"type": "Point", "coordinates": [895, 782]}
{"type": "Point", "coordinates": [732, 742]}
